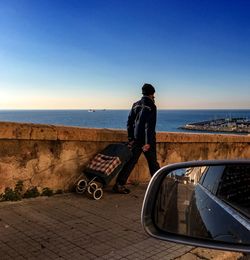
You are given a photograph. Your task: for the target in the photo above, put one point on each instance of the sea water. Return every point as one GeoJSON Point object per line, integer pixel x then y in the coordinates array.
{"type": "Point", "coordinates": [167, 120]}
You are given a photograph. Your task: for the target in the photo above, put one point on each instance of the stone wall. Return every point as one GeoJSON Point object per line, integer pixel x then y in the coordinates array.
{"type": "Point", "coordinates": [54, 156]}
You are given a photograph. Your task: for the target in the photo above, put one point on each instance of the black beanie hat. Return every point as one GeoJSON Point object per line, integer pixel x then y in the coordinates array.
{"type": "Point", "coordinates": [147, 89]}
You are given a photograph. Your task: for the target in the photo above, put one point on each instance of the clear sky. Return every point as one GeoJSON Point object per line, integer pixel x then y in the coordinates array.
{"type": "Point", "coordinates": [80, 54]}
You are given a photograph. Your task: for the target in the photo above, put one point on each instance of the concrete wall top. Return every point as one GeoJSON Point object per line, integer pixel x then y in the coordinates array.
{"type": "Point", "coordinates": [27, 131]}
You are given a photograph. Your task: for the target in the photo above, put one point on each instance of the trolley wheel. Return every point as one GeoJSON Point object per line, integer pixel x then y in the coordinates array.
{"type": "Point", "coordinates": [92, 187]}
{"type": "Point", "coordinates": [81, 186]}
{"type": "Point", "coordinates": [97, 194]}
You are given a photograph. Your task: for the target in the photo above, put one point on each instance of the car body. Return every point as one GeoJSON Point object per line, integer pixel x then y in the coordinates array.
{"type": "Point", "coordinates": [202, 203]}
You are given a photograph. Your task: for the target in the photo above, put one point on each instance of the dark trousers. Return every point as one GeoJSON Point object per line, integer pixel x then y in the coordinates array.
{"type": "Point", "coordinates": [129, 166]}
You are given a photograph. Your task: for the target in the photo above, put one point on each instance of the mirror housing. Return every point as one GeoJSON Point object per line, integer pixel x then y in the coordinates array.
{"type": "Point", "coordinates": [228, 241]}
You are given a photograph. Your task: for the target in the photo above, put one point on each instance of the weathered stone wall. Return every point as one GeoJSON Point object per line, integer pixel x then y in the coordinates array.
{"type": "Point", "coordinates": [53, 156]}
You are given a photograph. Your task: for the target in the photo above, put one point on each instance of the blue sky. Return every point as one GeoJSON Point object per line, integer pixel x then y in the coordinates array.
{"type": "Point", "coordinates": [78, 54]}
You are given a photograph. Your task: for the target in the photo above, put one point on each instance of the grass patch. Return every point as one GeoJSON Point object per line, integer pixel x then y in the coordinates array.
{"type": "Point", "coordinates": [31, 193]}
{"type": "Point", "coordinates": [47, 192]}
{"type": "Point", "coordinates": [17, 193]}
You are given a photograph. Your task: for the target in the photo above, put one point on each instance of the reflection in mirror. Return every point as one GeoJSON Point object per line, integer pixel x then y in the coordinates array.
{"type": "Point", "coordinates": [210, 202]}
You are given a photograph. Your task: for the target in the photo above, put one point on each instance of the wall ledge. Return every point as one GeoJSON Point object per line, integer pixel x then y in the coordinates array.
{"type": "Point", "coordinates": [28, 131]}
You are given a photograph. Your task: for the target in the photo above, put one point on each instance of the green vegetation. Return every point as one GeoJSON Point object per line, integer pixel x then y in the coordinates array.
{"type": "Point", "coordinates": [13, 195]}
{"type": "Point", "coordinates": [31, 193]}
{"type": "Point", "coordinates": [135, 183]}
{"type": "Point", "coordinates": [19, 187]}
{"type": "Point", "coordinates": [17, 193]}
{"type": "Point", "coordinates": [47, 192]}
{"type": "Point", "coordinates": [10, 195]}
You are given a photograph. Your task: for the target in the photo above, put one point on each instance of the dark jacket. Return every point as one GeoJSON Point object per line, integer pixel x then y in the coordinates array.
{"type": "Point", "coordinates": [142, 121]}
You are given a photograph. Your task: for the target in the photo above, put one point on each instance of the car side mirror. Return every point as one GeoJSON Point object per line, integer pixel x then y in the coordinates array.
{"type": "Point", "coordinates": [201, 203]}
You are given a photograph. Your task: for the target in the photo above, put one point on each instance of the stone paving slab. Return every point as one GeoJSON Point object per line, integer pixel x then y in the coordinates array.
{"type": "Point", "coordinates": [72, 226]}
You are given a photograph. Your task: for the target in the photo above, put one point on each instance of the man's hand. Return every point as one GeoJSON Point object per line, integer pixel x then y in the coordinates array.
{"type": "Point", "coordinates": [145, 147]}
{"type": "Point", "coordinates": [130, 144]}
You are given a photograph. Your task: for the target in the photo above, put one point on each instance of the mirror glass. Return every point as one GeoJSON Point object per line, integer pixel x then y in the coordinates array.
{"type": "Point", "coordinates": [209, 202]}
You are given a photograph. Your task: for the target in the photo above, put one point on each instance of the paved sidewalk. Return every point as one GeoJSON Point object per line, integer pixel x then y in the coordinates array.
{"type": "Point", "coordinates": [72, 226]}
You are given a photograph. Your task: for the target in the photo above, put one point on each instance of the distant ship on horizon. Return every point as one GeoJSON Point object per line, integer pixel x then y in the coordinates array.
{"type": "Point", "coordinates": [93, 110]}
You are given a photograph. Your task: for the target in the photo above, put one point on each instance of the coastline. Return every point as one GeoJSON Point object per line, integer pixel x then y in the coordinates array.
{"type": "Point", "coordinates": [209, 131]}
{"type": "Point", "coordinates": [222, 125]}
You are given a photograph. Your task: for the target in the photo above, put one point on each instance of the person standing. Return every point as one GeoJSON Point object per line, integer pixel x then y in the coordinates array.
{"type": "Point", "coordinates": [141, 136]}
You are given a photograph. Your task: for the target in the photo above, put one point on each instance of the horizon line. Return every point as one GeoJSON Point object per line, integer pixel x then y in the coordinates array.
{"type": "Point", "coordinates": [103, 109]}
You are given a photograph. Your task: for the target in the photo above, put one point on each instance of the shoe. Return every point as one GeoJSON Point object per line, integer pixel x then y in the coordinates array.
{"type": "Point", "coordinates": [120, 189]}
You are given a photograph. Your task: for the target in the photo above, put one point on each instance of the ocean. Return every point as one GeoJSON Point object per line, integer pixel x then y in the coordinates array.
{"type": "Point", "coordinates": [167, 120]}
